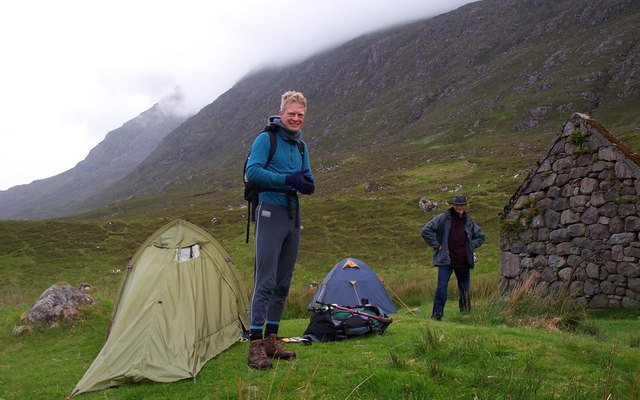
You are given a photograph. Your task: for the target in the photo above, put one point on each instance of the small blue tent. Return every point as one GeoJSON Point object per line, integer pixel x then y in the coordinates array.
{"type": "Point", "coordinates": [350, 281]}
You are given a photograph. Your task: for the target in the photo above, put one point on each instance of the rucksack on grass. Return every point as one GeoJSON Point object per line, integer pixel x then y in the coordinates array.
{"type": "Point", "coordinates": [333, 322]}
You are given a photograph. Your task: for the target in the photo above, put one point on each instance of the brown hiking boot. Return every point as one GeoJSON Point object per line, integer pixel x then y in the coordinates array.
{"type": "Point", "coordinates": [275, 349]}
{"type": "Point", "coordinates": [257, 356]}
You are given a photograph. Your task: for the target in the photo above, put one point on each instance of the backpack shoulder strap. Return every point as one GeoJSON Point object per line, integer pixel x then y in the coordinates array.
{"type": "Point", "coordinates": [301, 148]}
{"type": "Point", "coordinates": [273, 144]}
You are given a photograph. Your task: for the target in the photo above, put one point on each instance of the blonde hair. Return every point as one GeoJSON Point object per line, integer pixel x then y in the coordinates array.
{"type": "Point", "coordinates": [292, 97]}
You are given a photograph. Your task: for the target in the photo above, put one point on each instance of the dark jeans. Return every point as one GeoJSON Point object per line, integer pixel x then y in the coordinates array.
{"type": "Point", "coordinates": [463, 277]}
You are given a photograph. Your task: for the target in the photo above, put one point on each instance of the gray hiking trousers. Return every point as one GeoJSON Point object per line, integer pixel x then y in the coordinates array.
{"type": "Point", "coordinates": [277, 238]}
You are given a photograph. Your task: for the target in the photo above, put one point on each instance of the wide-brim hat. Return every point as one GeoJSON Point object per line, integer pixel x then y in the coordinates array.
{"type": "Point", "coordinates": [459, 199]}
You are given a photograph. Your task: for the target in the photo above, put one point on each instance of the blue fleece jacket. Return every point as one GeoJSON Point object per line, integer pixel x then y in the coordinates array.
{"type": "Point", "coordinates": [286, 160]}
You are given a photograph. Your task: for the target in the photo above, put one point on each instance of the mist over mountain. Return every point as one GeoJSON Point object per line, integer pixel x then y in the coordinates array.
{"type": "Point", "coordinates": [121, 150]}
{"type": "Point", "coordinates": [490, 79]}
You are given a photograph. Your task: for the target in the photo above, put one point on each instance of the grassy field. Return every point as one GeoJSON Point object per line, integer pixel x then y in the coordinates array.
{"type": "Point", "coordinates": [506, 348]}
{"type": "Point", "coordinates": [460, 357]}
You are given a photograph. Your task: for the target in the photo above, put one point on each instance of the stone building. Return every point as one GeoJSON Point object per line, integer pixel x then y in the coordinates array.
{"type": "Point", "coordinates": [574, 223]}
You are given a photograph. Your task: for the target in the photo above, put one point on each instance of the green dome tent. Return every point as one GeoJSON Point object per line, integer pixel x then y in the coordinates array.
{"type": "Point", "coordinates": [181, 303]}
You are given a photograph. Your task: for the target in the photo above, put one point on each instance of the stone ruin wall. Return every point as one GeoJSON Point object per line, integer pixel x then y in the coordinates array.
{"type": "Point", "coordinates": [574, 223]}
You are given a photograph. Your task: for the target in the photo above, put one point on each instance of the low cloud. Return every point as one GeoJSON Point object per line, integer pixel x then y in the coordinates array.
{"type": "Point", "coordinates": [76, 70]}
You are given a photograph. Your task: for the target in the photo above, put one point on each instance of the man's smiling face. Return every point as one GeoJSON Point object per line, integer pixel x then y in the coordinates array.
{"type": "Point", "coordinates": [293, 116]}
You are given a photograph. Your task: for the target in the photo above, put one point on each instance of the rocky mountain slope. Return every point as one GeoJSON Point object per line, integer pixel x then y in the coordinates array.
{"type": "Point", "coordinates": [111, 160]}
{"type": "Point", "coordinates": [492, 78]}
{"type": "Point", "coordinates": [502, 72]}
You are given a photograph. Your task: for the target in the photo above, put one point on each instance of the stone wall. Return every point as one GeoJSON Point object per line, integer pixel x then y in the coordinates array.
{"type": "Point", "coordinates": [574, 222]}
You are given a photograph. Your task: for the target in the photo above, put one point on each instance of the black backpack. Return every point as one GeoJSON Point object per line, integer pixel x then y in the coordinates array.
{"type": "Point", "coordinates": [252, 190]}
{"type": "Point", "coordinates": [334, 322]}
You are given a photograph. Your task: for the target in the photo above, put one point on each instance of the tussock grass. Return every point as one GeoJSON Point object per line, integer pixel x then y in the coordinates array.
{"type": "Point", "coordinates": [13, 296]}
{"type": "Point", "coordinates": [453, 358]}
{"type": "Point", "coordinates": [523, 307]}
{"type": "Point", "coordinates": [426, 343]}
{"type": "Point", "coordinates": [298, 301]}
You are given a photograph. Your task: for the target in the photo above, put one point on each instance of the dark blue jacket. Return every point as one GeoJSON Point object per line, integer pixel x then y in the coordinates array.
{"type": "Point", "coordinates": [436, 234]}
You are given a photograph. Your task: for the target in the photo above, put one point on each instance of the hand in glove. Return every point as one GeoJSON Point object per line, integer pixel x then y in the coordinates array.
{"type": "Point", "coordinates": [303, 183]}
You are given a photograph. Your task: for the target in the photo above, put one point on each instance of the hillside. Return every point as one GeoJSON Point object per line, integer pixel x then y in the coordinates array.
{"type": "Point", "coordinates": [490, 78]}
{"type": "Point", "coordinates": [121, 150]}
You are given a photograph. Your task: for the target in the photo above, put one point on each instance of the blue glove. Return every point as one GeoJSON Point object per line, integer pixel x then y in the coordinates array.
{"type": "Point", "coordinates": [303, 183]}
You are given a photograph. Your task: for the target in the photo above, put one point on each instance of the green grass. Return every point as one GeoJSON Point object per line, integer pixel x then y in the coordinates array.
{"type": "Point", "coordinates": [414, 358]}
{"type": "Point", "coordinates": [506, 348]}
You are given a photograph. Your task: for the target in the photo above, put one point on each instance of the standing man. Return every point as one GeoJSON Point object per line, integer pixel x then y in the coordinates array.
{"type": "Point", "coordinates": [277, 231]}
{"type": "Point", "coordinates": [453, 237]}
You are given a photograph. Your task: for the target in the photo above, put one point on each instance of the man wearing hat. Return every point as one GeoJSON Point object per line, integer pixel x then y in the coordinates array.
{"type": "Point", "coordinates": [453, 236]}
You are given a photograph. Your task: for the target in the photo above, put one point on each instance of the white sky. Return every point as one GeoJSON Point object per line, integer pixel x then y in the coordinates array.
{"type": "Point", "coordinates": [73, 70]}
